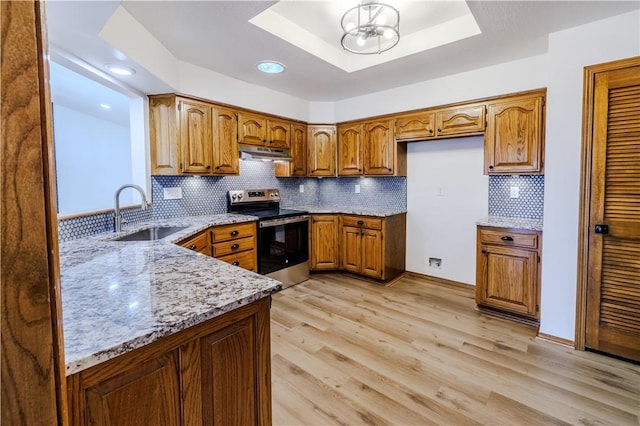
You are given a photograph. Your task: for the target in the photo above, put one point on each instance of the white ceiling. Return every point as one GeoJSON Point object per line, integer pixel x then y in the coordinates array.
{"type": "Point", "coordinates": [218, 35]}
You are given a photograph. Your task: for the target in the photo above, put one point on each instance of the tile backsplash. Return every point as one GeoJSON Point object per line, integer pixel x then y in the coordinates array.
{"type": "Point", "coordinates": [530, 202]}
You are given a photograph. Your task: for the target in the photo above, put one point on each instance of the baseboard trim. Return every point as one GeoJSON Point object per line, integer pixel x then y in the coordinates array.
{"type": "Point", "coordinates": [556, 339]}
{"type": "Point", "coordinates": [442, 281]}
{"type": "Point", "coordinates": [529, 322]}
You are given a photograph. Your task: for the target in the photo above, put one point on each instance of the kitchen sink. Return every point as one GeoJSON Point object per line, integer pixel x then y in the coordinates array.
{"type": "Point", "coordinates": [150, 234]}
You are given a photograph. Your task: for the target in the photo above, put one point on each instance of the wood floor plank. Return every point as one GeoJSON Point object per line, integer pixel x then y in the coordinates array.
{"type": "Point", "coordinates": [348, 351]}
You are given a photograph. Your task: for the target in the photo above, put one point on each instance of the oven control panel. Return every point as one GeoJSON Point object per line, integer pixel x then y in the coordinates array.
{"type": "Point", "coordinates": [253, 195]}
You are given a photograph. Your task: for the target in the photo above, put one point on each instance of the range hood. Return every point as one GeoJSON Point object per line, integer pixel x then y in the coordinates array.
{"type": "Point", "coordinates": [261, 153]}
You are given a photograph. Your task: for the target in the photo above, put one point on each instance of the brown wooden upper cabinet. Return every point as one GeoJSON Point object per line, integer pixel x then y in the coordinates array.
{"type": "Point", "coordinates": [514, 140]}
{"type": "Point", "coordinates": [278, 133]}
{"type": "Point", "coordinates": [186, 139]}
{"type": "Point", "coordinates": [298, 165]}
{"type": "Point", "coordinates": [350, 149]}
{"type": "Point", "coordinates": [252, 129]}
{"type": "Point", "coordinates": [321, 150]}
{"type": "Point", "coordinates": [379, 148]}
{"type": "Point", "coordinates": [455, 121]}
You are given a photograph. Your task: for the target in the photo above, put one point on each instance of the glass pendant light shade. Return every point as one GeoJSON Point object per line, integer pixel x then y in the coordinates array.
{"type": "Point", "coordinates": [370, 28]}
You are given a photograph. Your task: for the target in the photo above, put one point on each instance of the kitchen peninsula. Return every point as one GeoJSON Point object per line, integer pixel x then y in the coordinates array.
{"type": "Point", "coordinates": [164, 335]}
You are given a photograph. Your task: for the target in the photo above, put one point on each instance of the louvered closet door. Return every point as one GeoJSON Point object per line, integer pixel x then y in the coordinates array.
{"type": "Point", "coordinates": [613, 304]}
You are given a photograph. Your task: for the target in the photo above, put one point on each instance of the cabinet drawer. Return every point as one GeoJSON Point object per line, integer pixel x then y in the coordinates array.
{"type": "Point", "coordinates": [362, 222]}
{"type": "Point", "coordinates": [245, 259]}
{"type": "Point", "coordinates": [199, 243]}
{"type": "Point", "coordinates": [233, 231]}
{"type": "Point", "coordinates": [510, 238]}
{"type": "Point", "coordinates": [234, 246]}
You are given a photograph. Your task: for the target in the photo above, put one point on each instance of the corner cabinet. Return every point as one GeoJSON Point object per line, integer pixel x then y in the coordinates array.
{"type": "Point", "coordinates": [508, 271]}
{"type": "Point", "coordinates": [191, 137]}
{"type": "Point", "coordinates": [214, 373]}
{"type": "Point", "coordinates": [514, 139]}
{"type": "Point", "coordinates": [321, 150]}
{"type": "Point", "coordinates": [324, 246]}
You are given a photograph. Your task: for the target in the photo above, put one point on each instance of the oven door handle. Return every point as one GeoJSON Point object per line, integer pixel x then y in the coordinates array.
{"type": "Point", "coordinates": [283, 221]}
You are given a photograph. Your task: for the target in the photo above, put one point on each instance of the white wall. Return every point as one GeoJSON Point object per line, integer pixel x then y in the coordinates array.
{"type": "Point", "coordinates": [93, 158]}
{"type": "Point", "coordinates": [446, 194]}
{"type": "Point", "coordinates": [569, 52]}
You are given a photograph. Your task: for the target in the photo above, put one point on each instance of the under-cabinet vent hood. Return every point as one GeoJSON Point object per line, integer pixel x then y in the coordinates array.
{"type": "Point", "coordinates": [261, 153]}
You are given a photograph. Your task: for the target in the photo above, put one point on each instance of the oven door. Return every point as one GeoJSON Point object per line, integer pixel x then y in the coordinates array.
{"type": "Point", "coordinates": [282, 243]}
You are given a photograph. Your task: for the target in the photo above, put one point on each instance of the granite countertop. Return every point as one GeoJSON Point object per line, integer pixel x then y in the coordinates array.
{"type": "Point", "coordinates": [512, 222]}
{"type": "Point", "coordinates": [118, 296]}
{"type": "Point", "coordinates": [362, 211]}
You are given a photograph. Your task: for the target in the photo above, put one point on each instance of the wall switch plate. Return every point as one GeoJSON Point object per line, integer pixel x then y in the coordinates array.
{"type": "Point", "coordinates": [172, 193]}
{"type": "Point", "coordinates": [435, 262]}
{"type": "Point", "coordinates": [514, 192]}
{"type": "Point", "coordinates": [357, 189]}
{"type": "Point", "coordinates": [301, 189]}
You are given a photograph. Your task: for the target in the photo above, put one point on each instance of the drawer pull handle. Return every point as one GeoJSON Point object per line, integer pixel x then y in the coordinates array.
{"type": "Point", "coordinates": [360, 222]}
{"type": "Point", "coordinates": [236, 263]}
{"type": "Point", "coordinates": [507, 238]}
{"type": "Point", "coordinates": [234, 233]}
{"type": "Point", "coordinates": [192, 247]}
{"type": "Point", "coordinates": [235, 247]}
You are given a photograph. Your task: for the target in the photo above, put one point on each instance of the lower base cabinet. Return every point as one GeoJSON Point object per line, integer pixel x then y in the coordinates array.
{"type": "Point", "coordinates": [508, 271]}
{"type": "Point", "coordinates": [215, 373]}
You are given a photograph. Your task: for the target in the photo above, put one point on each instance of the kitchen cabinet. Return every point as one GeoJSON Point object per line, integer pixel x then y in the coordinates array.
{"type": "Point", "coordinates": [460, 120]}
{"type": "Point", "coordinates": [195, 137]}
{"type": "Point", "coordinates": [350, 149]}
{"type": "Point", "coordinates": [199, 243]}
{"type": "Point", "coordinates": [236, 244]}
{"type": "Point", "coordinates": [278, 133]}
{"type": "Point", "coordinates": [379, 148]}
{"type": "Point", "coordinates": [252, 129]}
{"type": "Point", "coordinates": [225, 141]}
{"type": "Point", "coordinates": [321, 150]}
{"type": "Point", "coordinates": [415, 126]}
{"type": "Point", "coordinates": [374, 246]}
{"type": "Point", "coordinates": [324, 246]}
{"type": "Point", "coordinates": [514, 139]}
{"type": "Point", "coordinates": [214, 373]}
{"type": "Point", "coordinates": [163, 135]}
{"type": "Point", "coordinates": [298, 165]}
{"type": "Point", "coordinates": [508, 271]}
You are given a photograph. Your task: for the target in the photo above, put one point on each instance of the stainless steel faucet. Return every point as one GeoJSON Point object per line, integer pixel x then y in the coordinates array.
{"type": "Point", "coordinates": [118, 218]}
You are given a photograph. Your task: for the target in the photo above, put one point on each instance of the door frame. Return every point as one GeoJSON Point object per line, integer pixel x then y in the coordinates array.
{"type": "Point", "coordinates": [590, 73]}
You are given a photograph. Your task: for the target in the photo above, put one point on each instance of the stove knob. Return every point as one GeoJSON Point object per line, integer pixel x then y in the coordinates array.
{"type": "Point", "coordinates": [239, 197]}
{"type": "Point", "coordinates": [233, 197]}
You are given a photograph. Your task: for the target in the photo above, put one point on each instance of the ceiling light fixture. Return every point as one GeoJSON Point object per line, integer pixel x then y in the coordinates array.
{"type": "Point", "coordinates": [370, 28]}
{"type": "Point", "coordinates": [105, 106]}
{"type": "Point", "coordinates": [119, 69]}
{"type": "Point", "coordinates": [270, 67]}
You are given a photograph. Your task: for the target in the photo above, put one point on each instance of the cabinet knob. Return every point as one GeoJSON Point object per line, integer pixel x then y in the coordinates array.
{"type": "Point", "coordinates": [360, 222]}
{"type": "Point", "coordinates": [192, 247]}
{"type": "Point", "coordinates": [217, 167]}
{"type": "Point", "coordinates": [507, 238]}
{"type": "Point", "coordinates": [430, 130]}
{"type": "Point", "coordinates": [235, 247]}
{"type": "Point", "coordinates": [389, 168]}
{"type": "Point", "coordinates": [439, 130]}
{"type": "Point", "coordinates": [234, 233]}
{"type": "Point", "coordinates": [490, 167]}
{"type": "Point", "coordinates": [208, 167]}
{"type": "Point", "coordinates": [236, 263]}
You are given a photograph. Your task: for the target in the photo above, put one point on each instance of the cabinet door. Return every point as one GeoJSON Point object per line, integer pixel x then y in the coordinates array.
{"type": "Point", "coordinates": [324, 242]}
{"type": "Point", "coordinates": [415, 127]}
{"type": "Point", "coordinates": [460, 120]}
{"type": "Point", "coordinates": [298, 165]}
{"type": "Point", "coordinates": [278, 133]}
{"type": "Point", "coordinates": [507, 279]}
{"type": "Point", "coordinates": [148, 393]}
{"type": "Point", "coordinates": [225, 142]}
{"type": "Point", "coordinates": [229, 375]}
{"type": "Point", "coordinates": [514, 139]}
{"type": "Point", "coordinates": [195, 137]}
{"type": "Point", "coordinates": [252, 129]}
{"type": "Point", "coordinates": [352, 249]}
{"type": "Point", "coordinates": [379, 148]}
{"type": "Point", "coordinates": [372, 261]}
{"type": "Point", "coordinates": [321, 147]}
{"type": "Point", "coordinates": [350, 149]}
{"type": "Point", "coordinates": [163, 135]}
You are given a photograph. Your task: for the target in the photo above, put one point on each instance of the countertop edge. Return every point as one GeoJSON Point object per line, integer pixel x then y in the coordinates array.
{"type": "Point", "coordinates": [528, 224]}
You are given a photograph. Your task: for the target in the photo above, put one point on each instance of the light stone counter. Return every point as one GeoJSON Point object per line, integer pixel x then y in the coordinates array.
{"type": "Point", "coordinates": [512, 222]}
{"type": "Point", "coordinates": [362, 211]}
{"type": "Point", "coordinates": [118, 296]}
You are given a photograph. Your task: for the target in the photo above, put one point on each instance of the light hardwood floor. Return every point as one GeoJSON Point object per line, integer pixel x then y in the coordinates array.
{"type": "Point", "coordinates": [347, 352]}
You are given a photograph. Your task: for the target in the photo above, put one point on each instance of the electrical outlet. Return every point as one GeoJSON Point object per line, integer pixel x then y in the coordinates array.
{"type": "Point", "coordinates": [172, 193]}
{"type": "Point", "coordinates": [435, 262]}
{"type": "Point", "coordinates": [301, 189]}
{"type": "Point", "coordinates": [514, 192]}
{"type": "Point", "coordinates": [441, 192]}
{"type": "Point", "coordinates": [357, 189]}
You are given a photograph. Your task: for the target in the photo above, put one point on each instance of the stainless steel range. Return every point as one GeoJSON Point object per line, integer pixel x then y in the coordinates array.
{"type": "Point", "coordinates": [283, 234]}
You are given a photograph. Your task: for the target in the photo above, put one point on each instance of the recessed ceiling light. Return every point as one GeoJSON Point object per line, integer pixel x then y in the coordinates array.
{"type": "Point", "coordinates": [120, 69]}
{"type": "Point", "coordinates": [105, 106]}
{"type": "Point", "coordinates": [270, 67]}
